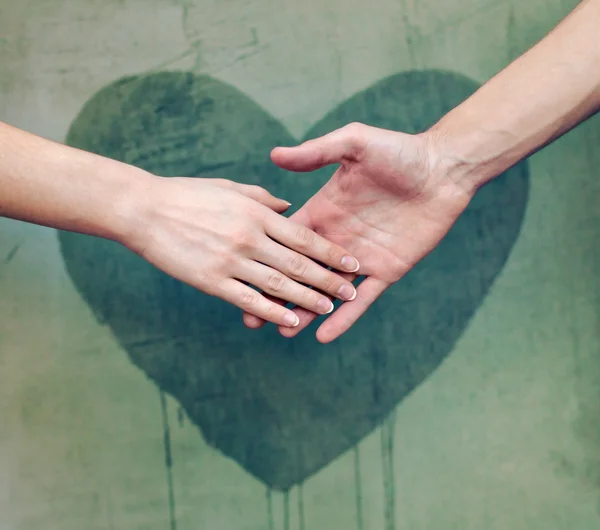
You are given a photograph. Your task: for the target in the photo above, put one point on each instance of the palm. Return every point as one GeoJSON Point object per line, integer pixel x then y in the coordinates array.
{"type": "Point", "coordinates": [388, 230]}
{"type": "Point", "coordinates": [383, 204]}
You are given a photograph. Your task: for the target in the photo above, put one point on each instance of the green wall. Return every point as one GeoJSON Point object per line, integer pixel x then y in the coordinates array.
{"type": "Point", "coordinates": [467, 398]}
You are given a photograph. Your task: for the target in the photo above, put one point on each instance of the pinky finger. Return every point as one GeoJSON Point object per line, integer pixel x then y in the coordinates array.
{"type": "Point", "coordinates": [254, 322]}
{"type": "Point", "coordinates": [254, 303]}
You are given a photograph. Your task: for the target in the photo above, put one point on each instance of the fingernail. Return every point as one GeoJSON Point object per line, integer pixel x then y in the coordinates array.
{"type": "Point", "coordinates": [325, 306]}
{"type": "Point", "coordinates": [350, 264]}
{"type": "Point", "coordinates": [347, 292]}
{"type": "Point", "coordinates": [288, 203]}
{"type": "Point", "coordinates": [291, 319]}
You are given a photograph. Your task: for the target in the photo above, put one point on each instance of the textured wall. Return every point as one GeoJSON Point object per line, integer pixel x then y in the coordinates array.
{"type": "Point", "coordinates": [467, 398]}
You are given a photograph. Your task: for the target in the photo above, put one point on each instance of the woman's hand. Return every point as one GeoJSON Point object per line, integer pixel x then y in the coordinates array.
{"type": "Point", "coordinates": [213, 234]}
{"type": "Point", "coordinates": [217, 235]}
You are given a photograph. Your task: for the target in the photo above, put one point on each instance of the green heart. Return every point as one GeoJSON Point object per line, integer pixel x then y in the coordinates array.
{"type": "Point", "coordinates": [282, 409]}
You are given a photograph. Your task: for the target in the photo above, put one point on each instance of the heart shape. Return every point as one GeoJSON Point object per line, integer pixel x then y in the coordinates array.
{"type": "Point", "coordinates": [283, 409]}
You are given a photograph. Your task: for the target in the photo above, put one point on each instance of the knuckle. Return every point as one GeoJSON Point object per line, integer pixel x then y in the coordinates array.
{"type": "Point", "coordinates": [298, 266]}
{"type": "Point", "coordinates": [243, 240]}
{"type": "Point", "coordinates": [355, 132]}
{"type": "Point", "coordinates": [354, 125]}
{"type": "Point", "coordinates": [310, 298]}
{"type": "Point", "coordinates": [270, 312]}
{"type": "Point", "coordinates": [249, 299]}
{"type": "Point", "coordinates": [215, 284]}
{"type": "Point", "coordinates": [263, 195]}
{"type": "Point", "coordinates": [259, 190]}
{"type": "Point", "coordinates": [305, 237]}
{"type": "Point", "coordinates": [223, 183]}
{"type": "Point", "coordinates": [225, 260]}
{"type": "Point", "coordinates": [255, 192]}
{"type": "Point", "coordinates": [330, 282]}
{"type": "Point", "coordinates": [333, 254]}
{"type": "Point", "coordinates": [354, 128]}
{"type": "Point", "coordinates": [276, 282]}
{"type": "Point", "coordinates": [209, 281]}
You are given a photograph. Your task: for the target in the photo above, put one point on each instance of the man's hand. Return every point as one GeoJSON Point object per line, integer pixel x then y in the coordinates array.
{"type": "Point", "coordinates": [395, 195]}
{"type": "Point", "coordinates": [389, 204]}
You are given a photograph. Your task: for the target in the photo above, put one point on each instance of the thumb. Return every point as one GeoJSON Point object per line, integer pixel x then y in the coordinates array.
{"type": "Point", "coordinates": [333, 148]}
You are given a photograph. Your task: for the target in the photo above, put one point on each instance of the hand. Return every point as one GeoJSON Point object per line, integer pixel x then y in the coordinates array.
{"type": "Point", "coordinates": [215, 234]}
{"type": "Point", "coordinates": [389, 203]}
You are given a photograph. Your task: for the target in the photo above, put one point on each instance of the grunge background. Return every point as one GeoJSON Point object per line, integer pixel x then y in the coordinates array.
{"type": "Point", "coordinates": [467, 398]}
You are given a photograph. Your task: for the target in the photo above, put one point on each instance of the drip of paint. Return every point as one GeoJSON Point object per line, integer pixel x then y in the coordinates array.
{"type": "Point", "coordinates": [168, 459]}
{"type": "Point", "coordinates": [271, 524]}
{"type": "Point", "coordinates": [286, 510]}
{"type": "Point", "coordinates": [387, 460]}
{"type": "Point", "coordinates": [358, 489]}
{"type": "Point", "coordinates": [301, 520]}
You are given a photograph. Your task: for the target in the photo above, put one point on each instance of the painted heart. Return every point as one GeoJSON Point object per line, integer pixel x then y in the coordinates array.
{"type": "Point", "coordinates": [283, 409]}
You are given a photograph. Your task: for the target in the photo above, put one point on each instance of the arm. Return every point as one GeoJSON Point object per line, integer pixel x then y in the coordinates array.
{"type": "Point", "coordinates": [183, 226]}
{"type": "Point", "coordinates": [53, 185]}
{"type": "Point", "coordinates": [388, 181]}
{"type": "Point", "coordinates": [539, 97]}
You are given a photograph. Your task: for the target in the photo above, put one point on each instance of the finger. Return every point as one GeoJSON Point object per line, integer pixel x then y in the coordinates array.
{"type": "Point", "coordinates": [254, 322]}
{"type": "Point", "coordinates": [277, 284]}
{"type": "Point", "coordinates": [256, 193]}
{"type": "Point", "coordinates": [261, 195]}
{"type": "Point", "coordinates": [255, 303]}
{"type": "Point", "coordinates": [342, 144]}
{"type": "Point", "coordinates": [304, 270]}
{"type": "Point", "coordinates": [306, 242]}
{"type": "Point", "coordinates": [307, 317]}
{"type": "Point", "coordinates": [343, 319]}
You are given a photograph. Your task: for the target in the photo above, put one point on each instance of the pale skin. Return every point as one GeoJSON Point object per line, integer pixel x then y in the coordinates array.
{"type": "Point", "coordinates": [394, 196]}
{"type": "Point", "coordinates": [216, 235]}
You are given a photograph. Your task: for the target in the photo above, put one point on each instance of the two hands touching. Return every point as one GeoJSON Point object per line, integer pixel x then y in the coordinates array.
{"type": "Point", "coordinates": [389, 204]}
{"type": "Point", "coordinates": [392, 199]}
{"type": "Point", "coordinates": [384, 209]}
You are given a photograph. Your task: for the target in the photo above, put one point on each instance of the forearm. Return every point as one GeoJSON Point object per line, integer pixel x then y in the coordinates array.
{"type": "Point", "coordinates": [50, 184]}
{"type": "Point", "coordinates": [536, 99]}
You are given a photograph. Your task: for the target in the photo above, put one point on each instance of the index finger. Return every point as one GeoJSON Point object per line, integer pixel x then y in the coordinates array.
{"type": "Point", "coordinates": [303, 240]}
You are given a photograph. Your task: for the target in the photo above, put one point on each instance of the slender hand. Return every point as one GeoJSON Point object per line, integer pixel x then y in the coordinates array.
{"type": "Point", "coordinates": [395, 196]}
{"type": "Point", "coordinates": [215, 235]}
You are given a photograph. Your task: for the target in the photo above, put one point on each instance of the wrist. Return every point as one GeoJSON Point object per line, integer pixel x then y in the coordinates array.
{"type": "Point", "coordinates": [125, 220]}
{"type": "Point", "coordinates": [468, 156]}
